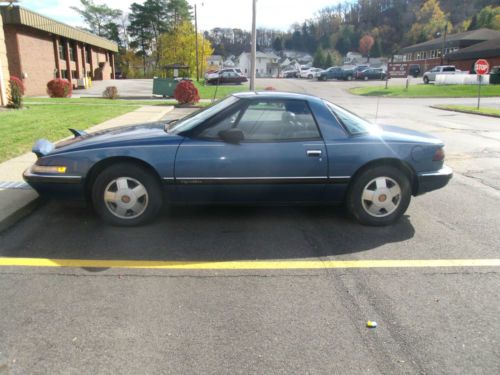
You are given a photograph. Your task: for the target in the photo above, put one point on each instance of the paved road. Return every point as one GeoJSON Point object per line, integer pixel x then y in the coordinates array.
{"type": "Point", "coordinates": [156, 321]}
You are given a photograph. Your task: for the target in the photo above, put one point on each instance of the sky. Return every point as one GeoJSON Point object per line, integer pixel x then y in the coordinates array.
{"type": "Point", "coordinates": [276, 14]}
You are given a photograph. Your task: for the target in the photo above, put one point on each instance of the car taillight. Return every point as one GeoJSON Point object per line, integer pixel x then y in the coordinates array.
{"type": "Point", "coordinates": [438, 155]}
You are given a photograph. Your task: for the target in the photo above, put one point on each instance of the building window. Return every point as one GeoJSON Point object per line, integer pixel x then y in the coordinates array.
{"type": "Point", "coordinates": [64, 74]}
{"type": "Point", "coordinates": [74, 74]}
{"type": "Point", "coordinates": [72, 52]}
{"type": "Point", "coordinates": [62, 49]}
{"type": "Point", "coordinates": [88, 54]}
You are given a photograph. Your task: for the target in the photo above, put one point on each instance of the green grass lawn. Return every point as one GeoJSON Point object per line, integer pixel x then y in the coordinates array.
{"type": "Point", "coordinates": [19, 129]}
{"type": "Point", "coordinates": [472, 109]}
{"type": "Point", "coordinates": [99, 101]}
{"type": "Point", "coordinates": [207, 92]}
{"type": "Point", "coordinates": [427, 91]}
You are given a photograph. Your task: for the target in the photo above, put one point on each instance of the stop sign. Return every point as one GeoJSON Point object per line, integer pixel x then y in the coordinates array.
{"type": "Point", "coordinates": [481, 67]}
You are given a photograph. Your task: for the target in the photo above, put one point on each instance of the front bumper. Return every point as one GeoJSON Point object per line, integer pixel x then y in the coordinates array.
{"type": "Point", "coordinates": [64, 187]}
{"type": "Point", "coordinates": [429, 181]}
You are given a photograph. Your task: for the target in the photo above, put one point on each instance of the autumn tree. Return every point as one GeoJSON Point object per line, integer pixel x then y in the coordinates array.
{"type": "Point", "coordinates": [179, 47]}
{"type": "Point", "coordinates": [431, 20]}
{"type": "Point", "coordinates": [365, 45]}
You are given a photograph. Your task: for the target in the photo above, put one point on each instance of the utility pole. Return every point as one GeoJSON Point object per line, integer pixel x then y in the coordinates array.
{"type": "Point", "coordinates": [196, 36]}
{"type": "Point", "coordinates": [254, 45]}
{"type": "Point", "coordinates": [444, 44]}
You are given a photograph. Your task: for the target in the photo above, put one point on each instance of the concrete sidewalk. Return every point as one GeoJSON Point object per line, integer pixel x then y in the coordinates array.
{"type": "Point", "coordinates": [17, 198]}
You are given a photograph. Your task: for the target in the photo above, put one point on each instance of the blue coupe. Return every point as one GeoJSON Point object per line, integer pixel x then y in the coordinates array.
{"type": "Point", "coordinates": [251, 148]}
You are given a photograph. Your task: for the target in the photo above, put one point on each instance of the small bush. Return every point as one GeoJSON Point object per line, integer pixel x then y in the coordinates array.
{"type": "Point", "coordinates": [59, 88]}
{"type": "Point", "coordinates": [270, 88]}
{"type": "Point", "coordinates": [186, 93]}
{"type": "Point", "coordinates": [111, 92]}
{"type": "Point", "coordinates": [16, 92]}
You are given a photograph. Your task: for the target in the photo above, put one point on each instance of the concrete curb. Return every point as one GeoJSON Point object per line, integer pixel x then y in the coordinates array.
{"type": "Point", "coordinates": [464, 111]}
{"type": "Point", "coordinates": [17, 204]}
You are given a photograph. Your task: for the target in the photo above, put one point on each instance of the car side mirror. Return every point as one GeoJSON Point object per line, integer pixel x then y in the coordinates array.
{"type": "Point", "coordinates": [234, 136]}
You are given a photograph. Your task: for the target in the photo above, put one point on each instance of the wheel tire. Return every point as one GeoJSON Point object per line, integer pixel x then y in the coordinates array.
{"type": "Point", "coordinates": [426, 80]}
{"type": "Point", "coordinates": [310, 76]}
{"type": "Point", "coordinates": [357, 206]}
{"type": "Point", "coordinates": [366, 78]}
{"type": "Point", "coordinates": [150, 202]}
{"type": "Point", "coordinates": [349, 78]}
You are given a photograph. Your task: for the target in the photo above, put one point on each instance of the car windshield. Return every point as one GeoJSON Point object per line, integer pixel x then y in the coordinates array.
{"type": "Point", "coordinates": [196, 118]}
{"type": "Point", "coordinates": [353, 123]}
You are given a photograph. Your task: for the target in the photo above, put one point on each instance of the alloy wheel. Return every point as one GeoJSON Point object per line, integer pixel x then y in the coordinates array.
{"type": "Point", "coordinates": [381, 197]}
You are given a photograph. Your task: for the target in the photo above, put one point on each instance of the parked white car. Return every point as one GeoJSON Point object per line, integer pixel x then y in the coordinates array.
{"type": "Point", "coordinates": [310, 73]}
{"type": "Point", "coordinates": [430, 76]}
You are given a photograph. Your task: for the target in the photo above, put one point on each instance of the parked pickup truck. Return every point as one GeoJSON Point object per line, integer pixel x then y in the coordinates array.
{"type": "Point", "coordinates": [430, 76]}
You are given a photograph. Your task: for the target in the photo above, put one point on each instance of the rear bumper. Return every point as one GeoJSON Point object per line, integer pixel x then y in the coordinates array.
{"type": "Point", "coordinates": [56, 186]}
{"type": "Point", "coordinates": [429, 181]}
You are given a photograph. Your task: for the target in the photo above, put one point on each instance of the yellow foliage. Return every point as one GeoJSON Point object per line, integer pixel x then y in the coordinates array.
{"type": "Point", "coordinates": [179, 47]}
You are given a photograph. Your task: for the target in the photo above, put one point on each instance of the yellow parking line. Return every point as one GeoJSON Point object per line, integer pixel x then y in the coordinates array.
{"type": "Point", "coordinates": [248, 265]}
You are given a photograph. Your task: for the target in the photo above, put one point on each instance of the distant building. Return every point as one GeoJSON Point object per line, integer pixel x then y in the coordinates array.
{"type": "Point", "coordinates": [215, 62]}
{"type": "Point", "coordinates": [459, 49]}
{"type": "Point", "coordinates": [38, 49]}
{"type": "Point", "coordinates": [266, 64]}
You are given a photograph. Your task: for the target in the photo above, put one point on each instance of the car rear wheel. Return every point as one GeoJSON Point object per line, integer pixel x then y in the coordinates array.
{"type": "Point", "coordinates": [365, 78]}
{"type": "Point", "coordinates": [349, 78]}
{"type": "Point", "coordinates": [379, 196]}
{"type": "Point", "coordinates": [126, 195]}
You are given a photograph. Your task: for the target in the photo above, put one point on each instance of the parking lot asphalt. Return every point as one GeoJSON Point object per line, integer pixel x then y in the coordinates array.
{"type": "Point", "coordinates": [269, 320]}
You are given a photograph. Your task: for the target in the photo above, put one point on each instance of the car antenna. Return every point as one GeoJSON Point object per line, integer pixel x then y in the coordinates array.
{"type": "Point", "coordinates": [376, 111]}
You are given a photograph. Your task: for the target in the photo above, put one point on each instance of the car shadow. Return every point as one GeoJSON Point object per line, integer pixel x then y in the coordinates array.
{"type": "Point", "coordinates": [201, 233]}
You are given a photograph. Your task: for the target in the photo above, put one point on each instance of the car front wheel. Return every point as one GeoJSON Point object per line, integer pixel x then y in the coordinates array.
{"type": "Point", "coordinates": [126, 195]}
{"type": "Point", "coordinates": [379, 196]}
{"type": "Point", "coordinates": [426, 80]}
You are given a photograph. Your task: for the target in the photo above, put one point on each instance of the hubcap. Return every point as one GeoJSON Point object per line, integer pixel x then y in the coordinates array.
{"type": "Point", "coordinates": [381, 197]}
{"type": "Point", "coordinates": [126, 198]}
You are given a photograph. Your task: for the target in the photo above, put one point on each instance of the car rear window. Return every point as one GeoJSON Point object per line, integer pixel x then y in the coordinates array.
{"type": "Point", "coordinates": [355, 125]}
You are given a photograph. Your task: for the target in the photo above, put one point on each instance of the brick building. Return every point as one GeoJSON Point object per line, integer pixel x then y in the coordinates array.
{"type": "Point", "coordinates": [39, 49]}
{"type": "Point", "coordinates": [477, 43]}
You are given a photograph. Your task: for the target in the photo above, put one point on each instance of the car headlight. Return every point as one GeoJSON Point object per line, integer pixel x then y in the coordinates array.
{"type": "Point", "coordinates": [48, 169]}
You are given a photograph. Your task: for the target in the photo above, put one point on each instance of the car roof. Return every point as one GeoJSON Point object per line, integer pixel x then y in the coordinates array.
{"type": "Point", "coordinates": [275, 95]}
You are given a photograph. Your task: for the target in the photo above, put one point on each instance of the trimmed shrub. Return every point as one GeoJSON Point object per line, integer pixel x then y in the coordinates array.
{"type": "Point", "coordinates": [270, 88]}
{"type": "Point", "coordinates": [59, 88]}
{"type": "Point", "coordinates": [16, 92]}
{"type": "Point", "coordinates": [186, 93]}
{"type": "Point", "coordinates": [111, 92]}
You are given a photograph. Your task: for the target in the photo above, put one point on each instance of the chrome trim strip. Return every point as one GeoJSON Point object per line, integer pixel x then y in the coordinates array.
{"type": "Point", "coordinates": [258, 180]}
{"type": "Point", "coordinates": [49, 178]}
{"type": "Point", "coordinates": [445, 171]}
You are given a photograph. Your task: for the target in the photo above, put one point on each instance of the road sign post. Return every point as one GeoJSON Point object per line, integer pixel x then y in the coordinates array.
{"type": "Point", "coordinates": [481, 67]}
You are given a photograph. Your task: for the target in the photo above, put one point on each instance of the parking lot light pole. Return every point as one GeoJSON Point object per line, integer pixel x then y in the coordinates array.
{"type": "Point", "coordinates": [254, 46]}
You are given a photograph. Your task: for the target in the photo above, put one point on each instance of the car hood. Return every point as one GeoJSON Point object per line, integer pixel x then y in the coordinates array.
{"type": "Point", "coordinates": [391, 133]}
{"type": "Point", "coordinates": [127, 136]}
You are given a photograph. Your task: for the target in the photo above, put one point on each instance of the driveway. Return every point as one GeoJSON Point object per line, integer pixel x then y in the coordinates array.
{"type": "Point", "coordinates": [127, 88]}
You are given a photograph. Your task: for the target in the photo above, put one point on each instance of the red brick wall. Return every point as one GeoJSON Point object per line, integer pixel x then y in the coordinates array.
{"type": "Point", "coordinates": [468, 64]}
{"type": "Point", "coordinates": [36, 52]}
{"type": "Point", "coordinates": [12, 51]}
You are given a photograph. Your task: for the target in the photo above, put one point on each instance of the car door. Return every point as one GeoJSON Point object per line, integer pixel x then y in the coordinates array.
{"type": "Point", "coordinates": [281, 158]}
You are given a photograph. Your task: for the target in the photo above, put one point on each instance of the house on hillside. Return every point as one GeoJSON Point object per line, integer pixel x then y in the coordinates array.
{"type": "Point", "coordinates": [38, 49]}
{"type": "Point", "coordinates": [215, 62]}
{"type": "Point", "coordinates": [266, 64]}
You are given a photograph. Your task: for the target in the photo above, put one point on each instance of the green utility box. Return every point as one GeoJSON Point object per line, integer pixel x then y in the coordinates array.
{"type": "Point", "coordinates": [495, 75]}
{"type": "Point", "coordinates": [164, 86]}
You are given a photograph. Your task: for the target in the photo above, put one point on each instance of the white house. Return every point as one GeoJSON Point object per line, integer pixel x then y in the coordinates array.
{"type": "Point", "coordinates": [215, 62]}
{"type": "Point", "coordinates": [266, 64]}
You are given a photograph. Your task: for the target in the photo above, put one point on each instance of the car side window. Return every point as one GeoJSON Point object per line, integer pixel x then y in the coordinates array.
{"type": "Point", "coordinates": [225, 123]}
{"type": "Point", "coordinates": [278, 120]}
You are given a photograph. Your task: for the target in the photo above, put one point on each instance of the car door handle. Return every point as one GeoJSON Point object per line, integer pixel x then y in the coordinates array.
{"type": "Point", "coordinates": [314, 153]}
